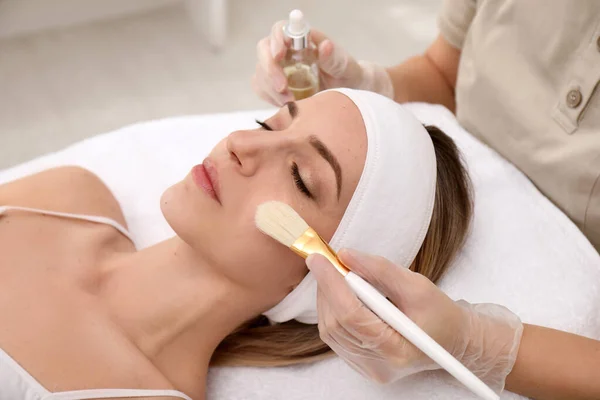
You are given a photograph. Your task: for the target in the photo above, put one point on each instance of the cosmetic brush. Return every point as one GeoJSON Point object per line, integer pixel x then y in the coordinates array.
{"type": "Point", "coordinates": [280, 221]}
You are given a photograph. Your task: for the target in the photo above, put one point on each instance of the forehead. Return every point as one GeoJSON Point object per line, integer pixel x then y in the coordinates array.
{"type": "Point", "coordinates": [336, 120]}
{"type": "Point", "coordinates": [336, 112]}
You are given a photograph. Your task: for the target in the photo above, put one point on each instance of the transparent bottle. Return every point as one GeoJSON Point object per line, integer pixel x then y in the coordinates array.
{"type": "Point", "coordinates": [300, 62]}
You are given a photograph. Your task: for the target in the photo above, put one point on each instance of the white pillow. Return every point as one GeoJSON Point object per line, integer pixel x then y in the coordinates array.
{"type": "Point", "coordinates": [522, 252]}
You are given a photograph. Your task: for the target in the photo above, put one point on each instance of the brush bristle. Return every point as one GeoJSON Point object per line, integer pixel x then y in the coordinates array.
{"type": "Point", "coordinates": [280, 221]}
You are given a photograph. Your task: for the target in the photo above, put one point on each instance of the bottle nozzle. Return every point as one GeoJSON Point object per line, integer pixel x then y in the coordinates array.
{"type": "Point", "coordinates": [297, 26]}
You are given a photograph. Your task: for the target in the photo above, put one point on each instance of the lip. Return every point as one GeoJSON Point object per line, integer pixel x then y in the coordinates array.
{"type": "Point", "coordinates": [205, 175]}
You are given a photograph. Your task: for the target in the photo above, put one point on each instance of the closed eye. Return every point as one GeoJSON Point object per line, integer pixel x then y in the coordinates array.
{"type": "Point", "coordinates": [299, 182]}
{"type": "Point", "coordinates": [264, 125]}
{"type": "Point", "coordinates": [294, 169]}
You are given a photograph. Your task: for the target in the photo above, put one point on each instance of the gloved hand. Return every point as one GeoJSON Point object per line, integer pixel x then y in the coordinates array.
{"type": "Point", "coordinates": [484, 337]}
{"type": "Point", "coordinates": [336, 68]}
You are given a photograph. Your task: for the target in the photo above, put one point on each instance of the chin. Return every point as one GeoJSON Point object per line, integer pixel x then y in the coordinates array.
{"type": "Point", "coordinates": [178, 208]}
{"type": "Point", "coordinates": [189, 213]}
{"type": "Point", "coordinates": [168, 200]}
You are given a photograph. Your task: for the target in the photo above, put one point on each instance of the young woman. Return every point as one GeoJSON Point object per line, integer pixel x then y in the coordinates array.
{"type": "Point", "coordinates": [83, 312]}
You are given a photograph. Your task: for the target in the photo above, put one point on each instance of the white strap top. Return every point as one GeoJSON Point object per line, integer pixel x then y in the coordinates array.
{"type": "Point", "coordinates": [17, 383]}
{"type": "Point", "coordinates": [90, 218]}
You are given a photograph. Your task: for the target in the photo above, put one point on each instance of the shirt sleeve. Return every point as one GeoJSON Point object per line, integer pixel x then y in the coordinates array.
{"type": "Point", "coordinates": [455, 19]}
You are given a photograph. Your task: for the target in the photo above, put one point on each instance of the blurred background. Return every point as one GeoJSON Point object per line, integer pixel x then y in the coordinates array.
{"type": "Point", "coordinates": [71, 69]}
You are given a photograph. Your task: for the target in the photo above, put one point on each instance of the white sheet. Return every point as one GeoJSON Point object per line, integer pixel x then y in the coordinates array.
{"type": "Point", "coordinates": [522, 252]}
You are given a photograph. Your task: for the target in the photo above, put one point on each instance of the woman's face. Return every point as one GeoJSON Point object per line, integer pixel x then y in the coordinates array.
{"type": "Point", "coordinates": [310, 155]}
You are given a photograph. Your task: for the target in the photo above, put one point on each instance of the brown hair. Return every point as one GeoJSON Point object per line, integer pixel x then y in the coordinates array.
{"type": "Point", "coordinates": [257, 343]}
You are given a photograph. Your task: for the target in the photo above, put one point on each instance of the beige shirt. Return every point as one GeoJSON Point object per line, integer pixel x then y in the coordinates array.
{"type": "Point", "coordinates": [528, 87]}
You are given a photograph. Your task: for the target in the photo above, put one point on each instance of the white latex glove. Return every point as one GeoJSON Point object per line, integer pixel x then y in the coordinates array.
{"type": "Point", "coordinates": [336, 68]}
{"type": "Point", "coordinates": [484, 337]}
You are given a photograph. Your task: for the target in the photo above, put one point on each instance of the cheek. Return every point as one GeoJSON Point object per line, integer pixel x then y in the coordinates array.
{"type": "Point", "coordinates": [229, 240]}
{"type": "Point", "coordinates": [268, 264]}
{"type": "Point", "coordinates": [325, 222]}
{"type": "Point", "coordinates": [271, 266]}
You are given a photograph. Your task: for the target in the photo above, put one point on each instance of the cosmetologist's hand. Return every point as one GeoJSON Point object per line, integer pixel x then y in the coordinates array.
{"type": "Point", "coordinates": [484, 337]}
{"type": "Point", "coordinates": [336, 68]}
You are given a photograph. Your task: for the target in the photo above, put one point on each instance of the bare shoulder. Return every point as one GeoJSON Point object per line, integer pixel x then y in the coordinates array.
{"type": "Point", "coordinates": [64, 189]}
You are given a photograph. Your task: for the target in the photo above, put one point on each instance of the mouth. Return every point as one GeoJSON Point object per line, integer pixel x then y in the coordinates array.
{"type": "Point", "coordinates": [205, 175]}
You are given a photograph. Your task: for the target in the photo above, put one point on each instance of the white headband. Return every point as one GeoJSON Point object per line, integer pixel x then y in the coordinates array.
{"type": "Point", "coordinates": [390, 210]}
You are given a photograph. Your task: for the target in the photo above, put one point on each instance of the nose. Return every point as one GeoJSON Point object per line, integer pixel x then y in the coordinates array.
{"type": "Point", "coordinates": [252, 149]}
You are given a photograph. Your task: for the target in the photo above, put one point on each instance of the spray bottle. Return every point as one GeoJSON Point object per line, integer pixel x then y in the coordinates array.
{"type": "Point", "coordinates": [300, 62]}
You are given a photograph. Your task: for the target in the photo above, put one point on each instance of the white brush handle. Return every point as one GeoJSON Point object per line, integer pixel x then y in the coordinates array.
{"type": "Point", "coordinates": [411, 332]}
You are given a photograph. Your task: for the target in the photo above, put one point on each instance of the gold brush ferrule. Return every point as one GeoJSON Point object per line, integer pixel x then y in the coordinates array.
{"type": "Point", "coordinates": [311, 243]}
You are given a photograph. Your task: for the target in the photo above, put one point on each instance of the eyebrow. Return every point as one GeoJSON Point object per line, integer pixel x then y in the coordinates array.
{"type": "Point", "coordinates": [330, 158]}
{"type": "Point", "coordinates": [292, 108]}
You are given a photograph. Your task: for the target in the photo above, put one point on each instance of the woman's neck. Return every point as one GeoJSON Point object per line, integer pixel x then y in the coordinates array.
{"type": "Point", "coordinates": [175, 308]}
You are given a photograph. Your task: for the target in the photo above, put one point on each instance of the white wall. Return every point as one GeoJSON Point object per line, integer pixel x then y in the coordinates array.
{"type": "Point", "coordinates": [19, 17]}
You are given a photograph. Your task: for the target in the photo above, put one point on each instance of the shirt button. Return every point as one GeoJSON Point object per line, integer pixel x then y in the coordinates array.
{"type": "Point", "coordinates": [574, 98]}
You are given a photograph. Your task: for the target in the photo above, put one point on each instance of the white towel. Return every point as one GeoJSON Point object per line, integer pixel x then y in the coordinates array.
{"type": "Point", "coordinates": [522, 252]}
